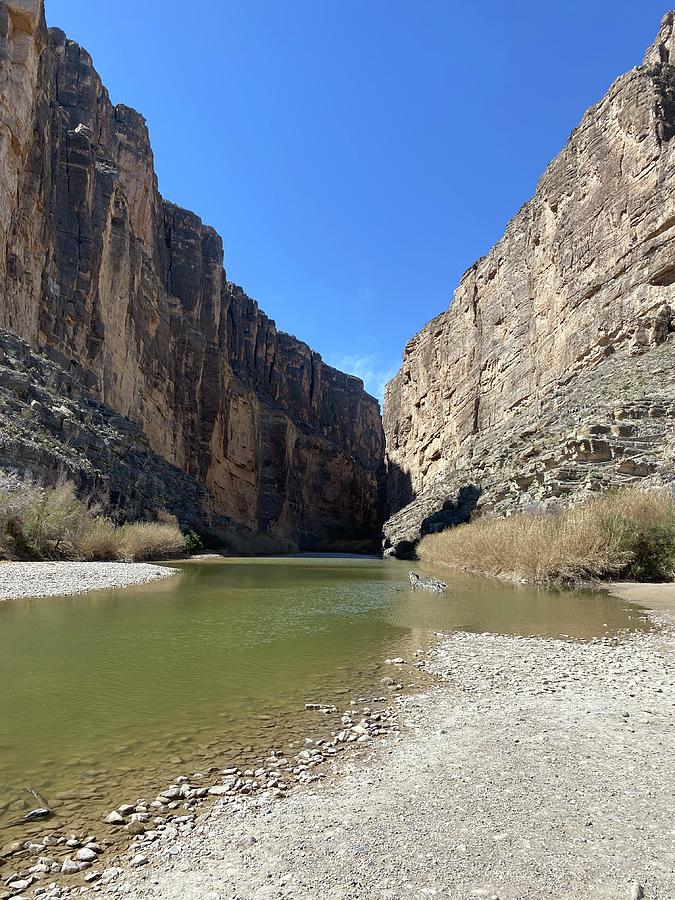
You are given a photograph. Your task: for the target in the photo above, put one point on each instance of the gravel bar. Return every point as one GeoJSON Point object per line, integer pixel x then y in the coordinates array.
{"type": "Point", "coordinates": [534, 769]}
{"type": "Point", "coordinates": [49, 579]}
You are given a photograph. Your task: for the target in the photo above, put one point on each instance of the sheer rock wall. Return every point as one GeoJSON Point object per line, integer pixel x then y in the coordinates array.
{"type": "Point", "coordinates": [128, 293]}
{"type": "Point", "coordinates": [584, 270]}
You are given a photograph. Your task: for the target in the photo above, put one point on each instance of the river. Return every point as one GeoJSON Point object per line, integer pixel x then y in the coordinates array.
{"type": "Point", "coordinates": [107, 696]}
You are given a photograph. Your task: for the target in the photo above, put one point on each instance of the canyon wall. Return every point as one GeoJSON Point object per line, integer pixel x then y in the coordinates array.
{"type": "Point", "coordinates": [585, 272]}
{"type": "Point", "coordinates": [127, 293]}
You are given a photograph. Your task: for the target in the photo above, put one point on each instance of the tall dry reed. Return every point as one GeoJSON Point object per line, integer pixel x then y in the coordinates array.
{"type": "Point", "coordinates": [628, 533]}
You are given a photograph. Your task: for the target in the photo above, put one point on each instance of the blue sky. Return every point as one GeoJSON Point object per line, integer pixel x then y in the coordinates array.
{"type": "Point", "coordinates": [356, 155]}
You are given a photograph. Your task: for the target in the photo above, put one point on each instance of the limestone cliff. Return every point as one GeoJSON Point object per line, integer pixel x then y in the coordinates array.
{"type": "Point", "coordinates": [584, 272]}
{"type": "Point", "coordinates": [128, 293]}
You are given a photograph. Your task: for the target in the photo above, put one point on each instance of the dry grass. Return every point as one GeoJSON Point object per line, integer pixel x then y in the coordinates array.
{"type": "Point", "coordinates": [150, 540]}
{"type": "Point", "coordinates": [628, 533]}
{"type": "Point", "coordinates": [41, 522]}
{"type": "Point", "coordinates": [133, 542]}
{"type": "Point", "coordinates": [100, 541]}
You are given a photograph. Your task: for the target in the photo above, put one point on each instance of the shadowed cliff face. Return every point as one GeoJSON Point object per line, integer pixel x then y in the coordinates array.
{"type": "Point", "coordinates": [584, 270]}
{"type": "Point", "coordinates": [128, 292]}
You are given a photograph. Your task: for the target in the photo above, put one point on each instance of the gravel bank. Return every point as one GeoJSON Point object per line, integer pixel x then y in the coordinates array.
{"type": "Point", "coordinates": [48, 579]}
{"type": "Point", "coordinates": [536, 768]}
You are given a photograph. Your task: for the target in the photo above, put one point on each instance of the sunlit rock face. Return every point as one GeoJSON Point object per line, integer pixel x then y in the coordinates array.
{"type": "Point", "coordinates": [128, 293]}
{"type": "Point", "coordinates": [584, 271]}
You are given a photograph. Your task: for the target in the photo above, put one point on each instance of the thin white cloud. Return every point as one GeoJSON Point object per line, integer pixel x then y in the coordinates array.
{"type": "Point", "coordinates": [369, 367]}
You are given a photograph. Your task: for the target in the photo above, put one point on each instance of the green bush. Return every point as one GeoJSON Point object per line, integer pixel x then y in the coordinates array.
{"type": "Point", "coordinates": [53, 520]}
{"type": "Point", "coordinates": [652, 549]}
{"type": "Point", "coordinates": [39, 522]}
{"type": "Point", "coordinates": [193, 542]}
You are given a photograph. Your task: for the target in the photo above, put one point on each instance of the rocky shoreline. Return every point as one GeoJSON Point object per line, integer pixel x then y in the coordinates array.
{"type": "Point", "coordinates": [535, 768]}
{"type": "Point", "coordinates": [50, 579]}
{"type": "Point", "coordinates": [530, 768]}
{"type": "Point", "coordinates": [56, 862]}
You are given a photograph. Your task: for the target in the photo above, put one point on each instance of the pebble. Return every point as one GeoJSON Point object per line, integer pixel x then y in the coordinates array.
{"type": "Point", "coordinates": [114, 818]}
{"type": "Point", "coordinates": [69, 867]}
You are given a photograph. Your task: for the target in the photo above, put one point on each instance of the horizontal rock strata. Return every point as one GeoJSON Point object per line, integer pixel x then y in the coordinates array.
{"type": "Point", "coordinates": [583, 273]}
{"type": "Point", "coordinates": [128, 293]}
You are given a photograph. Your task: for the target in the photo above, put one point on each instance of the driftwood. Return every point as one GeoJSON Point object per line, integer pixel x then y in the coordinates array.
{"type": "Point", "coordinates": [38, 796]}
{"type": "Point", "coordinates": [426, 583]}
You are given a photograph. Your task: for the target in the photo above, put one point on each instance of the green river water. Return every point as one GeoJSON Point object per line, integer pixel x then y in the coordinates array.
{"type": "Point", "coordinates": [106, 696]}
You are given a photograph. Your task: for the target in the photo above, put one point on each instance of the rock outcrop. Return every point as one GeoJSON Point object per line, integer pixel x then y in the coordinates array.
{"type": "Point", "coordinates": [128, 294]}
{"type": "Point", "coordinates": [495, 396]}
{"type": "Point", "coordinates": [51, 428]}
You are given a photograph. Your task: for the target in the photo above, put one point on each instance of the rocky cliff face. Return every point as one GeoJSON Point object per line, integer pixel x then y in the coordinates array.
{"type": "Point", "coordinates": [128, 293]}
{"type": "Point", "coordinates": [584, 271]}
{"type": "Point", "coordinates": [51, 428]}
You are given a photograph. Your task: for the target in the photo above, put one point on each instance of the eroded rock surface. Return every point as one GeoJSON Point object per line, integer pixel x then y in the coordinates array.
{"type": "Point", "coordinates": [51, 428]}
{"type": "Point", "coordinates": [583, 274]}
{"type": "Point", "coordinates": [128, 293]}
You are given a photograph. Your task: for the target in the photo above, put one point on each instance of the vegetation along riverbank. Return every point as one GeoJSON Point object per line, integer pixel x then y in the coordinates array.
{"type": "Point", "coordinates": [628, 534]}
{"type": "Point", "coordinates": [39, 521]}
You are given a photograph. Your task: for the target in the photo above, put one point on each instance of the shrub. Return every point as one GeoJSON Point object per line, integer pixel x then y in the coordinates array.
{"type": "Point", "coordinates": [150, 540]}
{"type": "Point", "coordinates": [628, 533]}
{"type": "Point", "coordinates": [99, 541]}
{"type": "Point", "coordinates": [42, 522]}
{"type": "Point", "coordinates": [653, 552]}
{"type": "Point", "coordinates": [53, 520]}
{"type": "Point", "coordinates": [38, 521]}
{"type": "Point", "coordinates": [193, 542]}
{"type": "Point", "coordinates": [15, 494]}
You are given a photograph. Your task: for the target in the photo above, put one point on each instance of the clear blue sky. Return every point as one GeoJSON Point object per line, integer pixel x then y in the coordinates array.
{"type": "Point", "coordinates": [356, 155]}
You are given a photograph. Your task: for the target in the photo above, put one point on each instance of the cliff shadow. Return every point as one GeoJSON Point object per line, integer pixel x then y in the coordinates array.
{"type": "Point", "coordinates": [455, 510]}
{"type": "Point", "coordinates": [398, 489]}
